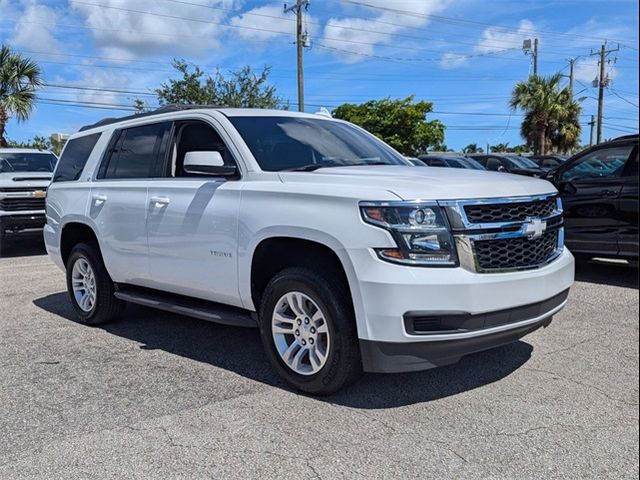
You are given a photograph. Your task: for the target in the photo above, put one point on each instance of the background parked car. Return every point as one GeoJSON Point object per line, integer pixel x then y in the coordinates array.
{"type": "Point", "coordinates": [548, 162]}
{"type": "Point", "coordinates": [25, 175]}
{"type": "Point", "coordinates": [599, 189]}
{"type": "Point", "coordinates": [510, 163]}
{"type": "Point", "coordinates": [451, 161]}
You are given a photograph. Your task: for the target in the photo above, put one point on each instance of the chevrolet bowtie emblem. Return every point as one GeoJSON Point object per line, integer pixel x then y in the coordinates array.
{"type": "Point", "coordinates": [534, 228]}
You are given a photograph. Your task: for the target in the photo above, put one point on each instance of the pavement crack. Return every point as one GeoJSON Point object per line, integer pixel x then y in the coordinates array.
{"type": "Point", "coordinates": [582, 384]}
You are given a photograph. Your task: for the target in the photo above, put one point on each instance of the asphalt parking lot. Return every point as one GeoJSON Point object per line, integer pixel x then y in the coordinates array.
{"type": "Point", "coordinates": [161, 396]}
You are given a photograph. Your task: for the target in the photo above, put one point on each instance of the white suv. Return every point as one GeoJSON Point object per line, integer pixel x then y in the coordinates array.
{"type": "Point", "coordinates": [343, 254]}
{"type": "Point", "coordinates": [25, 175]}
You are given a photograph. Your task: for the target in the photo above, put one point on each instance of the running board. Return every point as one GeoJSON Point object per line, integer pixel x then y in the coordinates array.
{"type": "Point", "coordinates": [191, 307]}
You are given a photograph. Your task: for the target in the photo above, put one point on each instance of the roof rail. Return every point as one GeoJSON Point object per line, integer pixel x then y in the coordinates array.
{"type": "Point", "coordinates": [164, 109]}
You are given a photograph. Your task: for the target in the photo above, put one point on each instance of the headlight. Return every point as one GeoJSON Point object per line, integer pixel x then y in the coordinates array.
{"type": "Point", "coordinates": [420, 230]}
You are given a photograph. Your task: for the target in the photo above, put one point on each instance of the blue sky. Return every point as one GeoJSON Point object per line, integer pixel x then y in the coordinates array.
{"type": "Point", "coordinates": [462, 55]}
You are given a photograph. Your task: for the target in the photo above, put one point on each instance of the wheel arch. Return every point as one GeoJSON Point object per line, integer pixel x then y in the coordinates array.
{"type": "Point", "coordinates": [274, 251]}
{"type": "Point", "coordinates": [71, 234]}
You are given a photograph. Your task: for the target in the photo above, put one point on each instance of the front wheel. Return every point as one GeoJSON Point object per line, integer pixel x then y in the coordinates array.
{"type": "Point", "coordinates": [308, 331]}
{"type": "Point", "coordinates": [90, 287]}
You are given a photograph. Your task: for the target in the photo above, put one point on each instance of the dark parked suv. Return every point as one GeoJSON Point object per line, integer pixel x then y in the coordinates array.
{"type": "Point", "coordinates": [508, 162]}
{"type": "Point", "coordinates": [599, 189]}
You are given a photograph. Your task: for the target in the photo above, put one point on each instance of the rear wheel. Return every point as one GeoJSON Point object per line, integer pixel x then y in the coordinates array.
{"type": "Point", "coordinates": [308, 331]}
{"type": "Point", "coordinates": [90, 287]}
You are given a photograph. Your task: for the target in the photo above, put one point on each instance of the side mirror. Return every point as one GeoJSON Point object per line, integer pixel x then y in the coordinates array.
{"type": "Point", "coordinates": [501, 169]}
{"type": "Point", "coordinates": [207, 163]}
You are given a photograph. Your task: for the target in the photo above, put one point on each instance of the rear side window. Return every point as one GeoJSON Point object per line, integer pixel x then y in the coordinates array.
{"type": "Point", "coordinates": [138, 152]}
{"type": "Point", "coordinates": [74, 158]}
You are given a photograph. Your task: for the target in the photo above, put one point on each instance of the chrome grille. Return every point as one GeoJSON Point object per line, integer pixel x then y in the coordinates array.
{"type": "Point", "coordinates": [510, 212]}
{"type": "Point", "coordinates": [515, 253]}
{"type": "Point", "coordinates": [505, 234]}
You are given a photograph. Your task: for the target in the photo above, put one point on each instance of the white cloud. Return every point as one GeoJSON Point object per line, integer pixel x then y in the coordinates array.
{"type": "Point", "coordinates": [262, 23]}
{"type": "Point", "coordinates": [346, 33]}
{"type": "Point", "coordinates": [122, 33]}
{"type": "Point", "coordinates": [34, 27]}
{"type": "Point", "coordinates": [587, 69]}
{"type": "Point", "coordinates": [453, 60]}
{"type": "Point", "coordinates": [495, 39]}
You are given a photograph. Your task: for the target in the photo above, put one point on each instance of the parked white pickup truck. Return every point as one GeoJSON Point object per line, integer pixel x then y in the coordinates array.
{"type": "Point", "coordinates": [24, 177]}
{"type": "Point", "coordinates": [343, 254]}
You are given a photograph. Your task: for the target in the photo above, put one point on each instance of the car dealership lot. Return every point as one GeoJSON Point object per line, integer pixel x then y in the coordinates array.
{"type": "Point", "coordinates": [158, 395]}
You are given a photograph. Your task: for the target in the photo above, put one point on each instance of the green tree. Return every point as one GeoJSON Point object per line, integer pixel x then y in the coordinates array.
{"type": "Point", "coordinates": [500, 148]}
{"type": "Point", "coordinates": [551, 113]}
{"type": "Point", "coordinates": [242, 88]}
{"type": "Point", "coordinates": [19, 79]}
{"type": "Point", "coordinates": [472, 148]}
{"type": "Point", "coordinates": [401, 123]}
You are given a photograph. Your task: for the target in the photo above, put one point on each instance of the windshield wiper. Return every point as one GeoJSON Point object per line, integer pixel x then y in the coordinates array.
{"type": "Point", "coordinates": [307, 168]}
{"type": "Point", "coordinates": [315, 166]}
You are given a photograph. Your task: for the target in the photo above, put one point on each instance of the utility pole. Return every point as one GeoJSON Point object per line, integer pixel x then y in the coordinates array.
{"type": "Point", "coordinates": [603, 82]}
{"type": "Point", "coordinates": [591, 125]}
{"type": "Point", "coordinates": [302, 40]}
{"type": "Point", "coordinates": [528, 50]}
{"type": "Point", "coordinates": [572, 61]}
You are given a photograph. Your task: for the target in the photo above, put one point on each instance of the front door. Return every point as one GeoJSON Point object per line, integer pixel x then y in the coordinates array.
{"type": "Point", "coordinates": [590, 187]}
{"type": "Point", "coordinates": [192, 222]}
{"type": "Point", "coordinates": [628, 209]}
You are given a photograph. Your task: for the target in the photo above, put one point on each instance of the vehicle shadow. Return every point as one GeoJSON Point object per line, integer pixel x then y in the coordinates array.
{"type": "Point", "coordinates": [240, 350]}
{"type": "Point", "coordinates": [605, 272]}
{"type": "Point", "coordinates": [22, 246]}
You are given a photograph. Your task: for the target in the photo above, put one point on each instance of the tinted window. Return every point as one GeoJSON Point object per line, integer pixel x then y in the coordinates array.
{"type": "Point", "coordinates": [632, 166]}
{"type": "Point", "coordinates": [197, 137]}
{"type": "Point", "coordinates": [74, 158]}
{"type": "Point", "coordinates": [435, 162]}
{"type": "Point", "coordinates": [286, 143]}
{"type": "Point", "coordinates": [604, 162]}
{"type": "Point", "coordinates": [517, 161]}
{"type": "Point", "coordinates": [27, 162]}
{"type": "Point", "coordinates": [138, 153]}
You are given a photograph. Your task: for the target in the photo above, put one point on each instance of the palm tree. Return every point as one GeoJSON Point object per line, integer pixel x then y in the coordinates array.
{"type": "Point", "coordinates": [472, 148]}
{"type": "Point", "coordinates": [500, 148]}
{"type": "Point", "coordinates": [19, 79]}
{"type": "Point", "coordinates": [551, 113]}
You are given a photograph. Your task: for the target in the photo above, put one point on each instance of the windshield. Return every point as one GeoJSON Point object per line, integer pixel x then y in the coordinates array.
{"type": "Point", "coordinates": [27, 162]}
{"type": "Point", "coordinates": [521, 162]}
{"type": "Point", "coordinates": [462, 162]}
{"type": "Point", "coordinates": [295, 143]}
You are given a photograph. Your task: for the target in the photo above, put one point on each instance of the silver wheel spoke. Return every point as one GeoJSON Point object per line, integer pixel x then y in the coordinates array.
{"type": "Point", "coordinates": [300, 333]}
{"type": "Point", "coordinates": [324, 328]}
{"type": "Point", "coordinates": [83, 284]}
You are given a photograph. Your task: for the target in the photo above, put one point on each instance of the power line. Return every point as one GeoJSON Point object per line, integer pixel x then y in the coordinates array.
{"type": "Point", "coordinates": [451, 20]}
{"type": "Point", "coordinates": [624, 99]}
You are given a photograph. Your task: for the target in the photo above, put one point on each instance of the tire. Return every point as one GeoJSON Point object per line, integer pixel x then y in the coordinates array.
{"type": "Point", "coordinates": [104, 307]}
{"type": "Point", "coordinates": [341, 364]}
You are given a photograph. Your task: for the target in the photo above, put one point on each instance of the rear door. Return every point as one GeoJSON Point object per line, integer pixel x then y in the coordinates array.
{"type": "Point", "coordinates": [192, 221]}
{"type": "Point", "coordinates": [118, 202]}
{"type": "Point", "coordinates": [590, 187]}
{"type": "Point", "coordinates": [628, 208]}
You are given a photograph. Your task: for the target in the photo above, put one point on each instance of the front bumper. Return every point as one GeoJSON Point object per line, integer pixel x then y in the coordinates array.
{"type": "Point", "coordinates": [387, 293]}
{"type": "Point", "coordinates": [22, 223]}
{"type": "Point", "coordinates": [437, 349]}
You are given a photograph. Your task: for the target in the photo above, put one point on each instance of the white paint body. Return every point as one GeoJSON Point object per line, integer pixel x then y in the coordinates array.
{"type": "Point", "coordinates": [201, 241]}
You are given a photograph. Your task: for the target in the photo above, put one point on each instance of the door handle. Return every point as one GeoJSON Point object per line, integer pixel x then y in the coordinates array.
{"type": "Point", "coordinates": [99, 198]}
{"type": "Point", "coordinates": [160, 201]}
{"type": "Point", "coordinates": [608, 193]}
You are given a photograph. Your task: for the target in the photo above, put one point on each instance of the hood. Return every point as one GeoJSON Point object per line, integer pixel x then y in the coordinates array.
{"type": "Point", "coordinates": [426, 183]}
{"type": "Point", "coordinates": [24, 179]}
